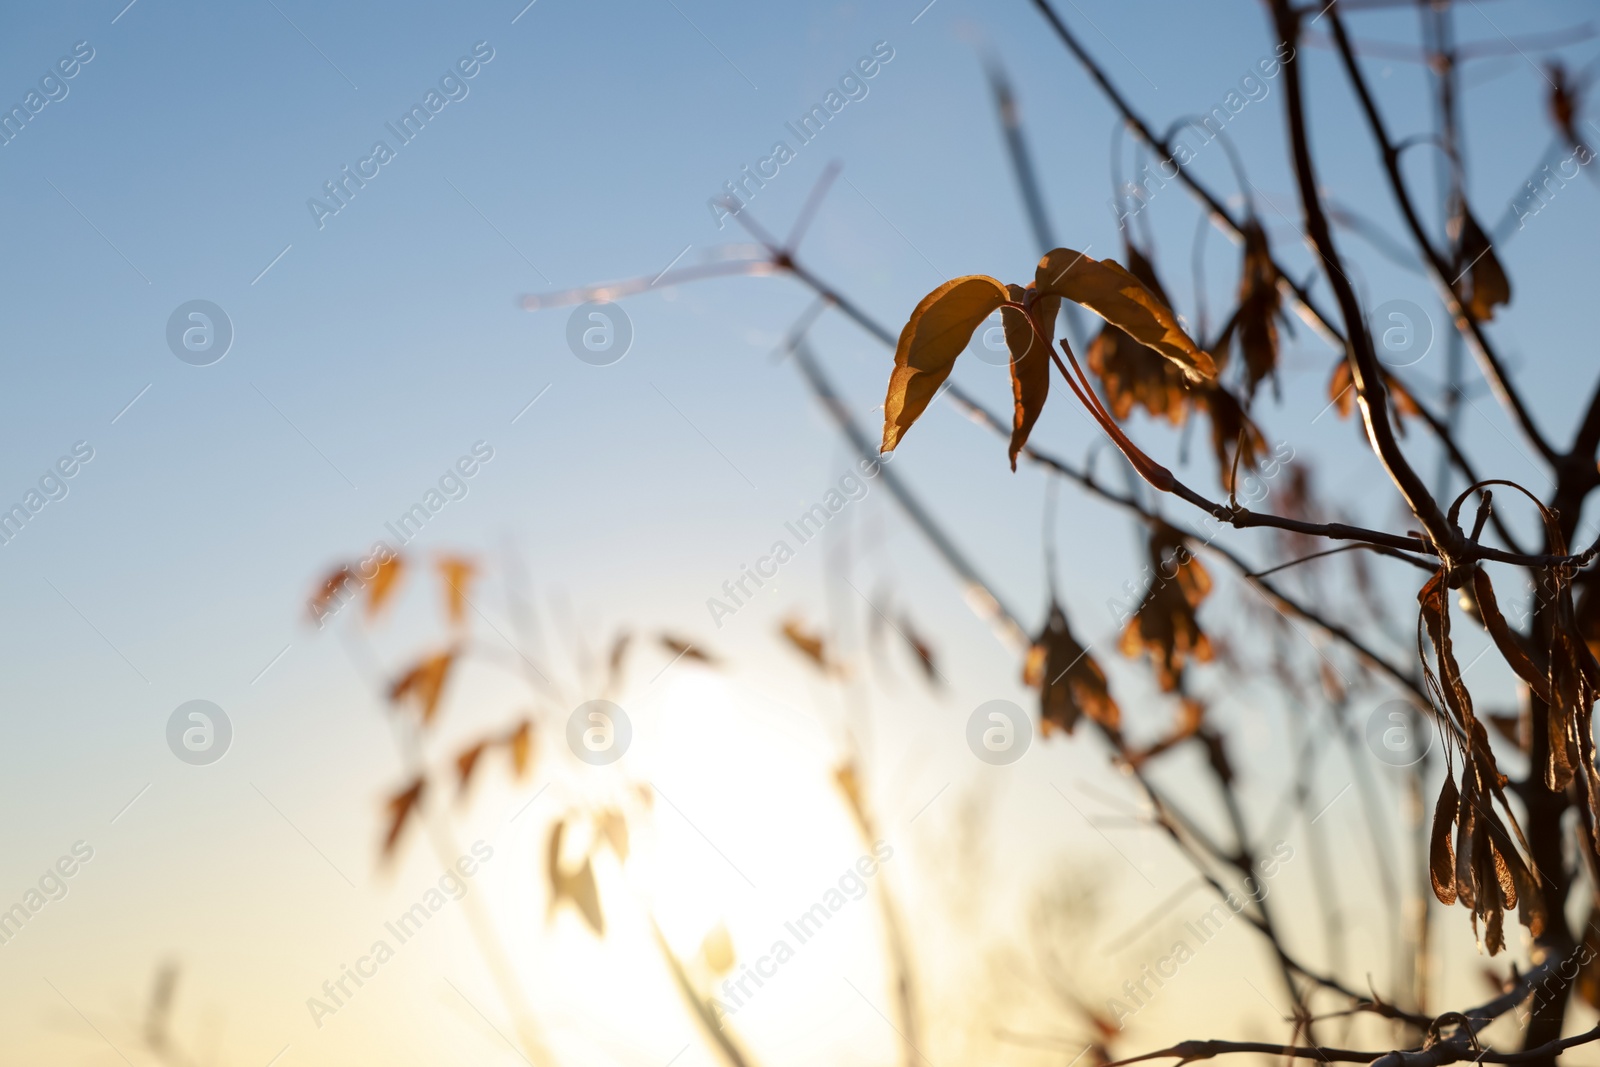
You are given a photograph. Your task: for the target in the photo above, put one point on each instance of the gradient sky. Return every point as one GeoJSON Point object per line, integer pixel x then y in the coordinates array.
{"type": "Point", "coordinates": [372, 352]}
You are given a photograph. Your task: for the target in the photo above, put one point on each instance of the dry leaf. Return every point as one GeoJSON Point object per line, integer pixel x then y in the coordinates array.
{"type": "Point", "coordinates": [939, 328]}
{"type": "Point", "coordinates": [923, 651]}
{"type": "Point", "coordinates": [1131, 373]}
{"type": "Point", "coordinates": [401, 807]}
{"type": "Point", "coordinates": [424, 684]}
{"type": "Point", "coordinates": [520, 743]}
{"type": "Point", "coordinates": [1256, 324]}
{"type": "Point", "coordinates": [467, 763]}
{"type": "Point", "coordinates": [457, 573]}
{"type": "Point", "coordinates": [679, 647]}
{"type": "Point", "coordinates": [577, 886]}
{"type": "Point", "coordinates": [383, 583]}
{"type": "Point", "coordinates": [1231, 430]}
{"type": "Point", "coordinates": [1485, 282]}
{"type": "Point", "coordinates": [809, 645]}
{"type": "Point", "coordinates": [1110, 291]}
{"type": "Point", "coordinates": [333, 585]}
{"type": "Point", "coordinates": [1028, 337]}
{"type": "Point", "coordinates": [1069, 681]}
{"type": "Point", "coordinates": [1165, 625]}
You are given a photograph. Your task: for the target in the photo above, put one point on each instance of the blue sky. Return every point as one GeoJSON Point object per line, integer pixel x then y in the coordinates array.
{"type": "Point", "coordinates": [374, 350]}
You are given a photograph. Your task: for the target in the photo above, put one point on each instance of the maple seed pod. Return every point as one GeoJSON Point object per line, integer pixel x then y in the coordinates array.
{"type": "Point", "coordinates": [599, 732]}
{"type": "Point", "coordinates": [999, 732]}
{"type": "Point", "coordinates": [199, 332]}
{"type": "Point", "coordinates": [599, 333]}
{"type": "Point", "coordinates": [1398, 733]}
{"type": "Point", "coordinates": [199, 732]}
{"type": "Point", "coordinates": [1402, 333]}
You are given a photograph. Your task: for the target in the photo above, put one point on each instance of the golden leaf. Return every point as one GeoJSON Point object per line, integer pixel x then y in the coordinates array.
{"type": "Point", "coordinates": [383, 583]}
{"type": "Point", "coordinates": [424, 684]}
{"type": "Point", "coordinates": [457, 573]}
{"type": "Point", "coordinates": [1028, 337]}
{"type": "Point", "coordinates": [577, 886]}
{"type": "Point", "coordinates": [1110, 291]}
{"type": "Point", "coordinates": [1070, 682]}
{"type": "Point", "coordinates": [330, 588]}
{"type": "Point", "coordinates": [401, 807]}
{"type": "Point", "coordinates": [939, 328]}
{"type": "Point", "coordinates": [1165, 625]}
{"type": "Point", "coordinates": [809, 645]}
{"type": "Point", "coordinates": [520, 742]}
{"type": "Point", "coordinates": [1132, 374]}
{"type": "Point", "coordinates": [467, 763]}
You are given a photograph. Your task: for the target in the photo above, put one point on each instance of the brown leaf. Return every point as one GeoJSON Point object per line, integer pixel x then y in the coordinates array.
{"type": "Point", "coordinates": [457, 572]}
{"type": "Point", "coordinates": [1030, 359]}
{"type": "Point", "coordinates": [1507, 640]}
{"type": "Point", "coordinates": [467, 763]}
{"type": "Point", "coordinates": [1070, 682]}
{"type": "Point", "coordinates": [520, 742]}
{"type": "Point", "coordinates": [1486, 284]}
{"type": "Point", "coordinates": [1132, 374]}
{"type": "Point", "coordinates": [1256, 325]}
{"type": "Point", "coordinates": [1231, 431]}
{"type": "Point", "coordinates": [1165, 626]}
{"type": "Point", "coordinates": [940, 327]}
{"type": "Point", "coordinates": [401, 807]}
{"type": "Point", "coordinates": [923, 651]}
{"type": "Point", "coordinates": [679, 647]}
{"type": "Point", "coordinates": [1110, 291]}
{"type": "Point", "coordinates": [577, 886]}
{"type": "Point", "coordinates": [810, 645]}
{"type": "Point", "coordinates": [617, 658]}
{"type": "Point", "coordinates": [383, 583]}
{"type": "Point", "coordinates": [424, 684]}
{"type": "Point", "coordinates": [1441, 857]}
{"type": "Point", "coordinates": [332, 586]}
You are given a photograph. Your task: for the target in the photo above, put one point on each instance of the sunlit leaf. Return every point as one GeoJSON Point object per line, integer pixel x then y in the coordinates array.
{"type": "Point", "coordinates": [577, 886]}
{"type": "Point", "coordinates": [1110, 291]}
{"type": "Point", "coordinates": [1028, 339]}
{"type": "Point", "coordinates": [402, 806]}
{"type": "Point", "coordinates": [1165, 626]}
{"type": "Point", "coordinates": [939, 328]}
{"type": "Point", "coordinates": [383, 583]}
{"type": "Point", "coordinates": [423, 684]}
{"type": "Point", "coordinates": [457, 573]}
{"type": "Point", "coordinates": [717, 950]}
{"type": "Point", "coordinates": [1070, 682]}
{"type": "Point", "coordinates": [687, 650]}
{"type": "Point", "coordinates": [1131, 373]}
